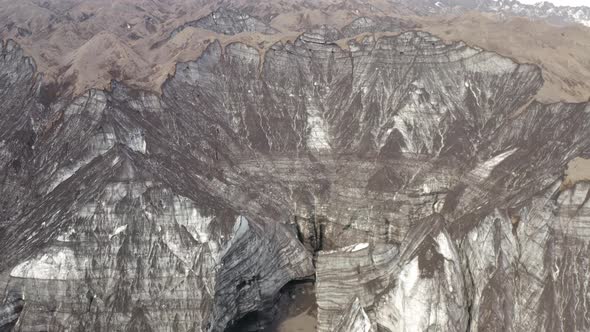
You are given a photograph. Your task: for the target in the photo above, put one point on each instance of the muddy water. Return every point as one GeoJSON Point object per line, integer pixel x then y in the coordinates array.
{"type": "Point", "coordinates": [295, 310]}
{"type": "Point", "coordinates": [302, 311]}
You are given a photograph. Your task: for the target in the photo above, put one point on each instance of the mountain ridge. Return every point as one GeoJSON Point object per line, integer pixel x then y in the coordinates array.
{"type": "Point", "coordinates": [141, 30]}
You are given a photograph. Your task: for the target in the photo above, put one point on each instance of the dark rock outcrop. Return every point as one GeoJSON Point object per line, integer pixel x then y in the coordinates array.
{"type": "Point", "coordinates": [10, 310]}
{"type": "Point", "coordinates": [229, 22]}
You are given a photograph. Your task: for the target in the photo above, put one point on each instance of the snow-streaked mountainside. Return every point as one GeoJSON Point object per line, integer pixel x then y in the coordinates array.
{"type": "Point", "coordinates": [364, 175]}
{"type": "Point", "coordinates": [543, 10]}
{"type": "Point", "coordinates": [417, 185]}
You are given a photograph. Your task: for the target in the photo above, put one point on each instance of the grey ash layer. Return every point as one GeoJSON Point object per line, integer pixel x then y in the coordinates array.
{"type": "Point", "coordinates": [418, 183]}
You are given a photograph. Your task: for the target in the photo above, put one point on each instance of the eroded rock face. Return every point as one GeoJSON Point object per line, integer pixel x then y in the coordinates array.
{"type": "Point", "coordinates": [421, 175]}
{"type": "Point", "coordinates": [354, 319]}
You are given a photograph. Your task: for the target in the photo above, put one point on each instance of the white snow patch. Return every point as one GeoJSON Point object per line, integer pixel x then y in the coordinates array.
{"type": "Point", "coordinates": [484, 169]}
{"type": "Point", "coordinates": [118, 231]}
{"type": "Point", "coordinates": [64, 237]}
{"type": "Point", "coordinates": [197, 224]}
{"type": "Point", "coordinates": [62, 174]}
{"type": "Point", "coordinates": [185, 214]}
{"type": "Point", "coordinates": [476, 96]}
{"type": "Point", "coordinates": [417, 125]}
{"type": "Point", "coordinates": [409, 276]}
{"type": "Point", "coordinates": [444, 246]}
{"type": "Point", "coordinates": [241, 227]}
{"type": "Point", "coordinates": [360, 246]}
{"type": "Point", "coordinates": [355, 247]}
{"type": "Point", "coordinates": [365, 322]}
{"type": "Point", "coordinates": [61, 265]}
{"type": "Point", "coordinates": [360, 320]}
{"type": "Point", "coordinates": [318, 134]}
{"type": "Point", "coordinates": [178, 251]}
{"type": "Point", "coordinates": [136, 142]}
{"type": "Point", "coordinates": [407, 307]}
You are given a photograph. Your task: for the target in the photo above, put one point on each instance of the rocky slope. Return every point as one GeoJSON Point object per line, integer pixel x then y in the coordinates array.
{"type": "Point", "coordinates": [229, 22]}
{"type": "Point", "coordinates": [418, 183]}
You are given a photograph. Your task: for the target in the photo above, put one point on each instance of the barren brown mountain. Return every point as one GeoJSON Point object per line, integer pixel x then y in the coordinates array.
{"type": "Point", "coordinates": [85, 44]}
